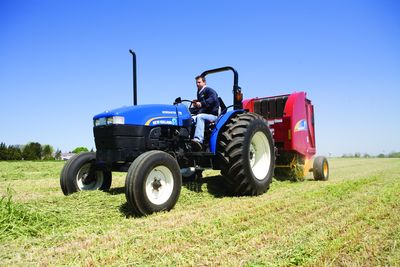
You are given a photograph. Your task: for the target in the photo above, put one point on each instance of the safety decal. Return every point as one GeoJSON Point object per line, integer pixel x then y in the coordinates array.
{"type": "Point", "coordinates": [301, 125]}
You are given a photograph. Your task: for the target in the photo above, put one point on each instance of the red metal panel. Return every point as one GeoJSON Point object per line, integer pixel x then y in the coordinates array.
{"type": "Point", "coordinates": [294, 131]}
{"type": "Point", "coordinates": [248, 104]}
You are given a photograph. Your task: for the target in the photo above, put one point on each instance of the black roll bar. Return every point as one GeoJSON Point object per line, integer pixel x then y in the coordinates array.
{"type": "Point", "coordinates": [237, 91]}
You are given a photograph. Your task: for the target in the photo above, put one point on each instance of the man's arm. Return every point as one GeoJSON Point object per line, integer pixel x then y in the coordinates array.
{"type": "Point", "coordinates": [210, 99]}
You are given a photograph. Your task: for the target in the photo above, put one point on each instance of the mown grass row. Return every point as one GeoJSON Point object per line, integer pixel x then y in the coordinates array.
{"type": "Point", "coordinates": [350, 220]}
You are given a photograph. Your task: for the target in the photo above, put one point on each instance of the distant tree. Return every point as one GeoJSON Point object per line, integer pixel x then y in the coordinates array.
{"type": "Point", "coordinates": [3, 151]}
{"type": "Point", "coordinates": [80, 149]}
{"type": "Point", "coordinates": [57, 156]}
{"type": "Point", "coordinates": [32, 151]}
{"type": "Point", "coordinates": [366, 155]}
{"type": "Point", "coordinates": [357, 155]}
{"type": "Point", "coordinates": [14, 153]}
{"type": "Point", "coordinates": [394, 155]}
{"type": "Point", "coordinates": [47, 152]}
{"type": "Point", "coordinates": [381, 155]}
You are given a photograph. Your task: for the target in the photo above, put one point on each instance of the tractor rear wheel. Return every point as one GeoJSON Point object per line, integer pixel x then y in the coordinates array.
{"type": "Point", "coordinates": [247, 154]}
{"type": "Point", "coordinates": [321, 168]}
{"type": "Point", "coordinates": [80, 173]}
{"type": "Point", "coordinates": [153, 183]}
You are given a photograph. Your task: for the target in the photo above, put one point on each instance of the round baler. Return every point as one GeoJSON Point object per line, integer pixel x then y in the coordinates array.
{"type": "Point", "coordinates": [291, 120]}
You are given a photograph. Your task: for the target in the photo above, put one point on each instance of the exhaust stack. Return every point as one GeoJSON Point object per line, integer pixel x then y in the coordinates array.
{"type": "Point", "coordinates": [134, 77]}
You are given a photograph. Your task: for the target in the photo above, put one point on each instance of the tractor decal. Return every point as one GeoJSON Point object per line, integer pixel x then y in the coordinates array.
{"type": "Point", "coordinates": [162, 121]}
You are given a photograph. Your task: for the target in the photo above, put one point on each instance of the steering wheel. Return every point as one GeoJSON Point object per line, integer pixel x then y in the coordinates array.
{"type": "Point", "coordinates": [190, 107]}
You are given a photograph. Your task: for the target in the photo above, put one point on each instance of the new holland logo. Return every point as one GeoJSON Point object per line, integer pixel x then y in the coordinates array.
{"type": "Point", "coordinates": [162, 121]}
{"type": "Point", "coordinates": [301, 125]}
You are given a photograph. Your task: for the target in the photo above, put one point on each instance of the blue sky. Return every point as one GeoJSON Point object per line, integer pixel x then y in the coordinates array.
{"type": "Point", "coordinates": [62, 62]}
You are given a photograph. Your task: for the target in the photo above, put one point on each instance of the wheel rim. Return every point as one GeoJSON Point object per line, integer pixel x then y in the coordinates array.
{"type": "Point", "coordinates": [259, 155]}
{"type": "Point", "coordinates": [325, 169]}
{"type": "Point", "coordinates": [85, 182]}
{"type": "Point", "coordinates": [159, 185]}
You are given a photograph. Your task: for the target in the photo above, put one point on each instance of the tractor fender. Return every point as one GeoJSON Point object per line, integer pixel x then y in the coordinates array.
{"type": "Point", "coordinates": [219, 124]}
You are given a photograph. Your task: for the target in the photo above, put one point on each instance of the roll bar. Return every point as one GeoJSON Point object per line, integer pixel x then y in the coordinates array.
{"type": "Point", "coordinates": [237, 91]}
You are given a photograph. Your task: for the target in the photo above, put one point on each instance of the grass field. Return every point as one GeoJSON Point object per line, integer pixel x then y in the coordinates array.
{"type": "Point", "coordinates": [350, 220]}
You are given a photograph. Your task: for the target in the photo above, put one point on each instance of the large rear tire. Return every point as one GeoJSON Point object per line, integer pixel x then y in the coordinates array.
{"type": "Point", "coordinates": [81, 173]}
{"type": "Point", "coordinates": [247, 154]}
{"type": "Point", "coordinates": [153, 183]}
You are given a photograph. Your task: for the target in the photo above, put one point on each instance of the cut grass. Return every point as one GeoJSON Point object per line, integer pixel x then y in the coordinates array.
{"type": "Point", "coordinates": [352, 219]}
{"type": "Point", "coordinates": [18, 220]}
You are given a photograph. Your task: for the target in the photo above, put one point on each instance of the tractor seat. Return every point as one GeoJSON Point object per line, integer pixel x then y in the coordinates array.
{"type": "Point", "coordinates": [210, 125]}
{"type": "Point", "coordinates": [222, 107]}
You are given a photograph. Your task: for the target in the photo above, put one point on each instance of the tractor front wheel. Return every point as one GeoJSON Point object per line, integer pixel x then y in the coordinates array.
{"type": "Point", "coordinates": [153, 183]}
{"type": "Point", "coordinates": [80, 173]}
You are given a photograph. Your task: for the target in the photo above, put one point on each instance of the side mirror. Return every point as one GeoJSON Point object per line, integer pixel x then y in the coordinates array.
{"type": "Point", "coordinates": [178, 100]}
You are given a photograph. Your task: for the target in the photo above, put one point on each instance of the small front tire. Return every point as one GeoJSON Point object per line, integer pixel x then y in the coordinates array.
{"type": "Point", "coordinates": [153, 183]}
{"type": "Point", "coordinates": [81, 173]}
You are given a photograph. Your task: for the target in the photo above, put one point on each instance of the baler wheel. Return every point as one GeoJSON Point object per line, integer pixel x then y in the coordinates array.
{"type": "Point", "coordinates": [321, 168]}
{"type": "Point", "coordinates": [153, 183]}
{"type": "Point", "coordinates": [80, 173]}
{"type": "Point", "coordinates": [247, 154]}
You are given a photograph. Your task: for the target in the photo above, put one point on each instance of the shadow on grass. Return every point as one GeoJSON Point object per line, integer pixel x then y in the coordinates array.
{"type": "Point", "coordinates": [215, 185]}
{"type": "Point", "coordinates": [117, 190]}
{"type": "Point", "coordinates": [128, 211]}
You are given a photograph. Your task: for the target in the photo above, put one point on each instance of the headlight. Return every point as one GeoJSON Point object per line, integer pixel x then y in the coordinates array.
{"type": "Point", "coordinates": [100, 122]}
{"type": "Point", "coordinates": [109, 120]}
{"type": "Point", "coordinates": [116, 120]}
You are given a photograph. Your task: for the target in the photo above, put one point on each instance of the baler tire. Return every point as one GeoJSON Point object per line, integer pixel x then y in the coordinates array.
{"type": "Point", "coordinates": [153, 183]}
{"type": "Point", "coordinates": [247, 154]}
{"type": "Point", "coordinates": [77, 168]}
{"type": "Point", "coordinates": [321, 168]}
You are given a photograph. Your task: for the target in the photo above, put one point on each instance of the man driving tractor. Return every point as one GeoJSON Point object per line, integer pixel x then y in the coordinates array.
{"type": "Point", "coordinates": [206, 108]}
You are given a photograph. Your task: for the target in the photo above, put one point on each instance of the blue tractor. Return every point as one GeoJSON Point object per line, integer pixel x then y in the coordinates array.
{"type": "Point", "coordinates": [152, 143]}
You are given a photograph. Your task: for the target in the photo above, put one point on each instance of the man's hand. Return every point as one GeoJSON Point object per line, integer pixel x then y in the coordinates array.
{"type": "Point", "coordinates": [196, 103]}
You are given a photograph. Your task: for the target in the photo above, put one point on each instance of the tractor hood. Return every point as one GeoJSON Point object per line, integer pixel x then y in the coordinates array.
{"type": "Point", "coordinates": [149, 115]}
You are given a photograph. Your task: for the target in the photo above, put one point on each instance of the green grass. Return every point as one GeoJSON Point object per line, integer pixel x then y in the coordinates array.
{"type": "Point", "coordinates": [352, 219]}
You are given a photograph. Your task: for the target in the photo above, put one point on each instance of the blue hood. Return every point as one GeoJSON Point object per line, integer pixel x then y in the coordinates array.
{"type": "Point", "coordinates": [150, 115]}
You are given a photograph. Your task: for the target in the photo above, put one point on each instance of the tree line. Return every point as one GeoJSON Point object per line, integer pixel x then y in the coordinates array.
{"type": "Point", "coordinates": [32, 151]}
{"type": "Point", "coordinates": [366, 155]}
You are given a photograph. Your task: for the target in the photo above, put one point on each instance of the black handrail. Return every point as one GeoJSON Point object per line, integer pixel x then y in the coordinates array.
{"type": "Point", "coordinates": [237, 91]}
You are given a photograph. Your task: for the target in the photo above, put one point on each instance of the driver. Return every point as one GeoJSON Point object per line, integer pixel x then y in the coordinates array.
{"type": "Point", "coordinates": [206, 109]}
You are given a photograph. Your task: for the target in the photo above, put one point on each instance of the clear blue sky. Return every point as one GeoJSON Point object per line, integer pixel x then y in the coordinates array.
{"type": "Point", "coordinates": [62, 62]}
